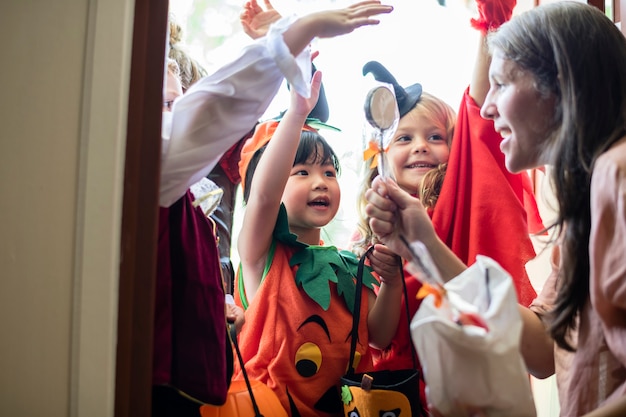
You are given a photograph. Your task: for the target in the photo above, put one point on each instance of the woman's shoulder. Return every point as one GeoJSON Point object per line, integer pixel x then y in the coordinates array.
{"type": "Point", "coordinates": [616, 151]}
{"type": "Point", "coordinates": [612, 161]}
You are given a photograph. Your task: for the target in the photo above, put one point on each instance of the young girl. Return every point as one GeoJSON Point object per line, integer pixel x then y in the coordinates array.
{"type": "Point", "coordinates": [480, 208]}
{"type": "Point", "coordinates": [418, 153]}
{"type": "Point", "coordinates": [298, 294]}
{"type": "Point", "coordinates": [418, 156]}
{"type": "Point", "coordinates": [190, 339]}
{"type": "Point", "coordinates": [546, 86]}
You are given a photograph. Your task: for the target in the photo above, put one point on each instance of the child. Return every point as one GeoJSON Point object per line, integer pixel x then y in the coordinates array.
{"type": "Point", "coordinates": [425, 127]}
{"type": "Point", "coordinates": [480, 208]}
{"type": "Point", "coordinates": [190, 341]}
{"type": "Point", "coordinates": [418, 155]}
{"type": "Point", "coordinates": [298, 294]}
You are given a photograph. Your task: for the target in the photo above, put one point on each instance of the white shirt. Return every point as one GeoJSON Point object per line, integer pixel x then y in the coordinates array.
{"type": "Point", "coordinates": [221, 108]}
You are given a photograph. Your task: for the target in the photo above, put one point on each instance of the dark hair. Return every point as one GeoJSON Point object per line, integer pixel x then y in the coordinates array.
{"type": "Point", "coordinates": [312, 148]}
{"type": "Point", "coordinates": [576, 53]}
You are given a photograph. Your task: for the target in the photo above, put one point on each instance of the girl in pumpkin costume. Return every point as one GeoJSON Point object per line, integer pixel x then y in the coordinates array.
{"type": "Point", "coordinates": [299, 295]}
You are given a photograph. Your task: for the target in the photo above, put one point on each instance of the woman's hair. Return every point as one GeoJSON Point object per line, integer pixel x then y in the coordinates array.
{"type": "Point", "coordinates": [428, 190]}
{"type": "Point", "coordinates": [578, 55]}
{"type": "Point", "coordinates": [312, 148]}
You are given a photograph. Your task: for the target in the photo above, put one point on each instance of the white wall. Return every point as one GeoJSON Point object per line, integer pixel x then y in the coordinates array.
{"type": "Point", "coordinates": [64, 85]}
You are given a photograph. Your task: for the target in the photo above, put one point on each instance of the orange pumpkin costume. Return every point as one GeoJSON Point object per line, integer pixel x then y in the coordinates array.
{"type": "Point", "coordinates": [296, 337]}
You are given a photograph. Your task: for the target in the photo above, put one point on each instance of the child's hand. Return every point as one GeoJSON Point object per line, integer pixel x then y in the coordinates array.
{"type": "Point", "coordinates": [256, 21]}
{"type": "Point", "coordinates": [386, 264]}
{"type": "Point", "coordinates": [302, 106]}
{"type": "Point", "coordinates": [234, 314]}
{"type": "Point", "coordinates": [331, 23]}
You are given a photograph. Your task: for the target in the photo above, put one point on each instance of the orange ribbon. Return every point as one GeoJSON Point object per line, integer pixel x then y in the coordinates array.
{"type": "Point", "coordinates": [372, 150]}
{"type": "Point", "coordinates": [427, 289]}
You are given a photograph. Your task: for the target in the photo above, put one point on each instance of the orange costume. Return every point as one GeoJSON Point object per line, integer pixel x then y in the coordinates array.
{"type": "Point", "coordinates": [296, 337]}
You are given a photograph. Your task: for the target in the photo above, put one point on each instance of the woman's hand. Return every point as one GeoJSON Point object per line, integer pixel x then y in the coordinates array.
{"type": "Point", "coordinates": [395, 214]}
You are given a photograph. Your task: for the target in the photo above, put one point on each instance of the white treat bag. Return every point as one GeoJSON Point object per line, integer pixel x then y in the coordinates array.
{"type": "Point", "coordinates": [468, 364]}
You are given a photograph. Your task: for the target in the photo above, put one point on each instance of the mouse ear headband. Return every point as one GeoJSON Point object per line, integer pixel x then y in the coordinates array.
{"type": "Point", "coordinates": [407, 98]}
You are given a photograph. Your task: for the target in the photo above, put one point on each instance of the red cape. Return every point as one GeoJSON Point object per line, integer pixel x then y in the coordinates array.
{"type": "Point", "coordinates": [482, 208]}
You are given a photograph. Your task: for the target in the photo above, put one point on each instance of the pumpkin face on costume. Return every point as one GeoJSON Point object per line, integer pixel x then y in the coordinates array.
{"type": "Point", "coordinates": [315, 350]}
{"type": "Point", "coordinates": [377, 403]}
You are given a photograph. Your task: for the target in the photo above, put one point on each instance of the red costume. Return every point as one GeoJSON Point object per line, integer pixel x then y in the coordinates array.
{"type": "Point", "coordinates": [481, 205]}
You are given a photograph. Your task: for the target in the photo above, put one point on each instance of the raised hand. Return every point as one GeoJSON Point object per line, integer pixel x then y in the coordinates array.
{"type": "Point", "coordinates": [301, 105]}
{"type": "Point", "coordinates": [256, 21]}
{"type": "Point", "coordinates": [330, 23]}
{"type": "Point", "coordinates": [492, 14]}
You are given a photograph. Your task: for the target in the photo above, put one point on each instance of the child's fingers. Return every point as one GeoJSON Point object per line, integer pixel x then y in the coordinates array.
{"type": "Point", "coordinates": [316, 85]}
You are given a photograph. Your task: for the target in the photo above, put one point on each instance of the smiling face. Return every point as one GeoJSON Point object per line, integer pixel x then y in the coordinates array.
{"type": "Point", "coordinates": [419, 145]}
{"type": "Point", "coordinates": [312, 195]}
{"type": "Point", "coordinates": [521, 114]}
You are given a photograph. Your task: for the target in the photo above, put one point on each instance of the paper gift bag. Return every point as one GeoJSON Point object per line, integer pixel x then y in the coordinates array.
{"type": "Point", "coordinates": [470, 364]}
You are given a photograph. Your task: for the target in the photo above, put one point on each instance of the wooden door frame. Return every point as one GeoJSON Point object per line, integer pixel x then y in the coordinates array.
{"type": "Point", "coordinates": [597, 3]}
{"type": "Point", "coordinates": [133, 378]}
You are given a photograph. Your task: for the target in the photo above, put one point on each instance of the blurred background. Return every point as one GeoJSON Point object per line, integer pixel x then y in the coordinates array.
{"type": "Point", "coordinates": [421, 41]}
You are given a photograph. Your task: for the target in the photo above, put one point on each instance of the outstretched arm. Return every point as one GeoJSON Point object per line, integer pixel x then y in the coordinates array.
{"type": "Point", "coordinates": [208, 119]}
{"type": "Point", "coordinates": [492, 14]}
{"type": "Point", "coordinates": [479, 84]}
{"type": "Point", "coordinates": [384, 308]}
{"type": "Point", "coordinates": [267, 186]}
{"type": "Point", "coordinates": [331, 23]}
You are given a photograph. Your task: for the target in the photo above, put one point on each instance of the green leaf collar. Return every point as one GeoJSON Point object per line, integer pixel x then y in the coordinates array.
{"type": "Point", "coordinates": [320, 265]}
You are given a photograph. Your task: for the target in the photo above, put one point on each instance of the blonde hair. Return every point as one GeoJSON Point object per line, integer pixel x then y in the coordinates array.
{"type": "Point", "coordinates": [190, 70]}
{"type": "Point", "coordinates": [173, 67]}
{"type": "Point", "coordinates": [429, 188]}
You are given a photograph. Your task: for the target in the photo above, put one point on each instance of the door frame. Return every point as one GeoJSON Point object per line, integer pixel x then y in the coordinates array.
{"type": "Point", "coordinates": [133, 378]}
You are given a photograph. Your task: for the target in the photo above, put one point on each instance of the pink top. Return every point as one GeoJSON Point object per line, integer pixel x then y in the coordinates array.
{"type": "Point", "coordinates": [596, 373]}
